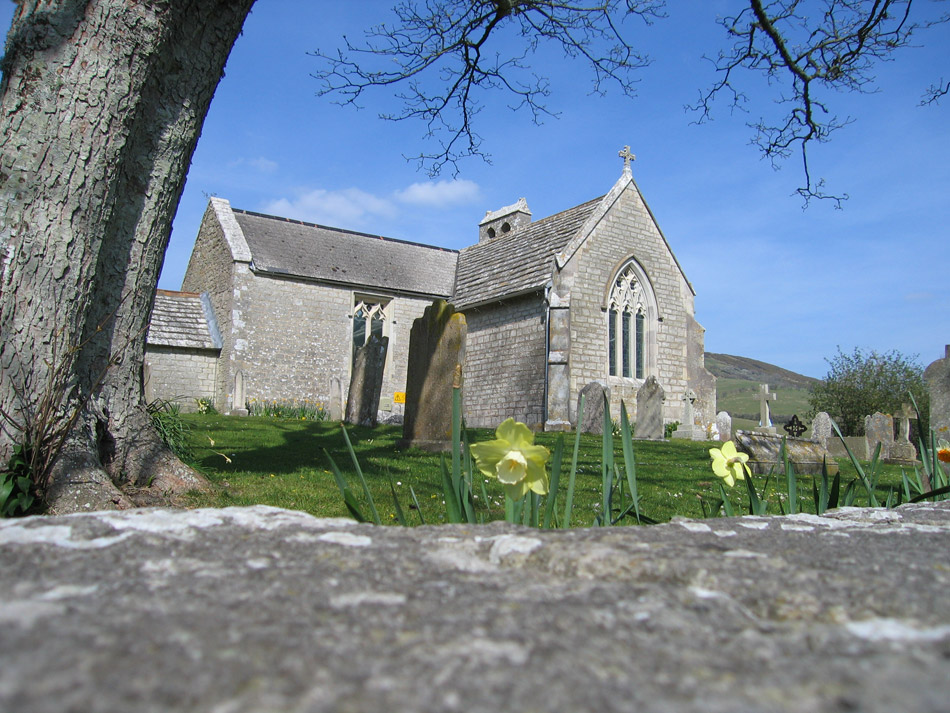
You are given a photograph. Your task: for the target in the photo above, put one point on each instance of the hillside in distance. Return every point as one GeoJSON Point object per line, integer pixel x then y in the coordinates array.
{"type": "Point", "coordinates": [737, 389]}
{"type": "Point", "coordinates": [726, 366]}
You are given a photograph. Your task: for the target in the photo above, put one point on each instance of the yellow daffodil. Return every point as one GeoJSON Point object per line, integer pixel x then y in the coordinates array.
{"type": "Point", "coordinates": [943, 451]}
{"type": "Point", "coordinates": [729, 464]}
{"type": "Point", "coordinates": [514, 459]}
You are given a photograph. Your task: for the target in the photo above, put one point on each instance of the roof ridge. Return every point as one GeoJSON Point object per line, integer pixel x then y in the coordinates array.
{"type": "Point", "coordinates": [342, 230]}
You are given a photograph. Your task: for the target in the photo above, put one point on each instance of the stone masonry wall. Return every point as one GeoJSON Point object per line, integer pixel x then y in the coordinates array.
{"type": "Point", "coordinates": [505, 363]}
{"type": "Point", "coordinates": [294, 336]}
{"type": "Point", "coordinates": [211, 270]}
{"type": "Point", "coordinates": [628, 231]}
{"type": "Point", "coordinates": [182, 375]}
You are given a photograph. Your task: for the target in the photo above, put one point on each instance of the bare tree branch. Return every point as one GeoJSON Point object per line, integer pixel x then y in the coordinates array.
{"type": "Point", "coordinates": [810, 55]}
{"type": "Point", "coordinates": [473, 47]}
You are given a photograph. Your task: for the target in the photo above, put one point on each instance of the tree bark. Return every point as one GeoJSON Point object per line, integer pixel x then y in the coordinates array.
{"type": "Point", "coordinates": [101, 107]}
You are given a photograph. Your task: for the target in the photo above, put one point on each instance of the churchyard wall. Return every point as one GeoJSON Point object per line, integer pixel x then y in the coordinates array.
{"type": "Point", "coordinates": [181, 375]}
{"type": "Point", "coordinates": [211, 269]}
{"type": "Point", "coordinates": [505, 362]}
{"type": "Point", "coordinates": [298, 337]}
{"type": "Point", "coordinates": [628, 230]}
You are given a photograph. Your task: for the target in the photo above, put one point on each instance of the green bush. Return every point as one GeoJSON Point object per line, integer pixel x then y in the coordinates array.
{"type": "Point", "coordinates": [860, 383]}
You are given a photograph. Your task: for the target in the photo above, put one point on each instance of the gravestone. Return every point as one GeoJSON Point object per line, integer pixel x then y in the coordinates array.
{"type": "Point", "coordinates": [688, 428]}
{"type": "Point", "coordinates": [436, 357]}
{"type": "Point", "coordinates": [724, 424]}
{"type": "Point", "coordinates": [335, 407]}
{"type": "Point", "coordinates": [879, 428]}
{"type": "Point", "coordinates": [937, 377]}
{"type": "Point", "coordinates": [763, 450]}
{"type": "Point", "coordinates": [794, 427]}
{"type": "Point", "coordinates": [650, 399]}
{"type": "Point", "coordinates": [366, 382]}
{"type": "Point", "coordinates": [821, 428]}
{"type": "Point", "coordinates": [592, 418]}
{"type": "Point", "coordinates": [765, 414]}
{"type": "Point", "coordinates": [902, 450]}
{"type": "Point", "coordinates": [239, 396]}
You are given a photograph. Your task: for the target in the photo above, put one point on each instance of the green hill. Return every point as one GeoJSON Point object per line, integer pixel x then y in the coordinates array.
{"type": "Point", "coordinates": [737, 387]}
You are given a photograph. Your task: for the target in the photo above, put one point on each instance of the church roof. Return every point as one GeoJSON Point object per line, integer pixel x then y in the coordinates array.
{"type": "Point", "coordinates": [180, 320]}
{"type": "Point", "coordinates": [516, 262]}
{"type": "Point", "coordinates": [317, 252]}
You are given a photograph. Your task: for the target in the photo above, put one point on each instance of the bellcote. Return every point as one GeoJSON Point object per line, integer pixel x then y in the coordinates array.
{"type": "Point", "coordinates": [504, 220]}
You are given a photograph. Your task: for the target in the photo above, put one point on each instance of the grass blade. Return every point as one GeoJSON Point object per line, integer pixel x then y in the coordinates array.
{"type": "Point", "coordinates": [551, 500]}
{"type": "Point", "coordinates": [450, 492]}
{"type": "Point", "coordinates": [569, 500]}
{"type": "Point", "coordinates": [348, 498]}
{"type": "Point", "coordinates": [359, 473]}
{"type": "Point", "coordinates": [400, 515]}
{"type": "Point", "coordinates": [629, 463]}
{"type": "Point", "coordinates": [415, 501]}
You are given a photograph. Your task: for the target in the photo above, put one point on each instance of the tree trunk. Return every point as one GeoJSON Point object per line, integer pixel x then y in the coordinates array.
{"type": "Point", "coordinates": [102, 104]}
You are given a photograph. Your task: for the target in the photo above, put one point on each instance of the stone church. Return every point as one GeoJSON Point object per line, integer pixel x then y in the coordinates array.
{"type": "Point", "coordinates": [593, 293]}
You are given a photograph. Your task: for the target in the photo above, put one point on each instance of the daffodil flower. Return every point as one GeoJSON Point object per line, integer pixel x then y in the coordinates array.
{"type": "Point", "coordinates": [729, 464]}
{"type": "Point", "coordinates": [514, 459]}
{"type": "Point", "coordinates": [943, 451]}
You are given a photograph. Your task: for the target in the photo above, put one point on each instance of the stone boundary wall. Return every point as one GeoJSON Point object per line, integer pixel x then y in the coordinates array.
{"type": "Point", "coordinates": [262, 609]}
{"type": "Point", "coordinates": [181, 375]}
{"type": "Point", "coordinates": [505, 363]}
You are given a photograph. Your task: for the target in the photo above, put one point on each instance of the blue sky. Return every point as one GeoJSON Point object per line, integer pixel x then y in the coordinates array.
{"type": "Point", "coordinates": [773, 281]}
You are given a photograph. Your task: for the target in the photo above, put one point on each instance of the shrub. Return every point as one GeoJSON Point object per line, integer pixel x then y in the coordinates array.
{"type": "Point", "coordinates": [860, 383]}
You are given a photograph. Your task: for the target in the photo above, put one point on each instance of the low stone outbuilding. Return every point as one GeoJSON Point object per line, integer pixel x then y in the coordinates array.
{"type": "Point", "coordinates": [183, 349]}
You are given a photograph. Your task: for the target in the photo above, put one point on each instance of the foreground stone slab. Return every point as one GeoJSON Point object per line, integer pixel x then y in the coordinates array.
{"type": "Point", "coordinates": [260, 609]}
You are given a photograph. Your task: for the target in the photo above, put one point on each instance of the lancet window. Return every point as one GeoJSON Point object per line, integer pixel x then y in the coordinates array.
{"type": "Point", "coordinates": [629, 313]}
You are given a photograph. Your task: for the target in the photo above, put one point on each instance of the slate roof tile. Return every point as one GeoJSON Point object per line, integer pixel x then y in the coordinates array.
{"type": "Point", "coordinates": [317, 252]}
{"type": "Point", "coordinates": [178, 320]}
{"type": "Point", "coordinates": [518, 261]}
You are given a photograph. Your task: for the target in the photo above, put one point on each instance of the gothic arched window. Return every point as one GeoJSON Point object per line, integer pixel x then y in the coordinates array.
{"type": "Point", "coordinates": [631, 314]}
{"type": "Point", "coordinates": [369, 318]}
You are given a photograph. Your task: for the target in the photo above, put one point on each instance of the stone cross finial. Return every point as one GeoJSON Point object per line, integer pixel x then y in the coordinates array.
{"type": "Point", "coordinates": [627, 158]}
{"type": "Point", "coordinates": [765, 416]}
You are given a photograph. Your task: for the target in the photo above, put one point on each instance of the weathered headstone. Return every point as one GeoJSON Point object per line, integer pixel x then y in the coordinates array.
{"type": "Point", "coordinates": [902, 450]}
{"type": "Point", "coordinates": [688, 427]}
{"type": "Point", "coordinates": [239, 396]}
{"type": "Point", "coordinates": [335, 407]}
{"type": "Point", "coordinates": [436, 357]}
{"type": "Point", "coordinates": [592, 418]}
{"type": "Point", "coordinates": [650, 399]}
{"type": "Point", "coordinates": [821, 428]}
{"type": "Point", "coordinates": [794, 427]}
{"type": "Point", "coordinates": [879, 428]}
{"type": "Point", "coordinates": [765, 414]}
{"type": "Point", "coordinates": [764, 450]}
{"type": "Point", "coordinates": [937, 377]}
{"type": "Point", "coordinates": [724, 424]}
{"type": "Point", "coordinates": [366, 382]}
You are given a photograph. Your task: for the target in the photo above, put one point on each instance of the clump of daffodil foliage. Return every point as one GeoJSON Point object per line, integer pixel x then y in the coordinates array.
{"type": "Point", "coordinates": [514, 460]}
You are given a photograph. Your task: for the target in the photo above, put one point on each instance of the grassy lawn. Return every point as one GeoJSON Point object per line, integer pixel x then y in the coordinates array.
{"type": "Point", "coordinates": [261, 460]}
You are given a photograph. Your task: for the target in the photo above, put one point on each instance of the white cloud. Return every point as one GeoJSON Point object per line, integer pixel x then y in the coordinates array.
{"type": "Point", "coordinates": [439, 193]}
{"type": "Point", "coordinates": [264, 165]}
{"type": "Point", "coordinates": [261, 164]}
{"type": "Point", "coordinates": [355, 208]}
{"type": "Point", "coordinates": [348, 208]}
